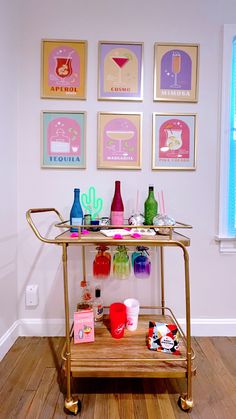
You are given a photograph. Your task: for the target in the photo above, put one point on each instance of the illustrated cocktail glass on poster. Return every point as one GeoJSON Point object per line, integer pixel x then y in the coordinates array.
{"type": "Point", "coordinates": [120, 136]}
{"type": "Point", "coordinates": [120, 62]}
{"type": "Point", "coordinates": [174, 139]}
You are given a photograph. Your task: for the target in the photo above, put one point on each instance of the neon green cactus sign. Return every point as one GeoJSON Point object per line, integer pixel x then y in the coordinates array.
{"type": "Point", "coordinates": [91, 204]}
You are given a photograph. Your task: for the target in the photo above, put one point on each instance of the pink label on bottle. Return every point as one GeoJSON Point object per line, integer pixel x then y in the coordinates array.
{"type": "Point", "coordinates": [117, 217]}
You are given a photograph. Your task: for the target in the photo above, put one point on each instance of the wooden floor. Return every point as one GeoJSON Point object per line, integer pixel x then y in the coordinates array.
{"type": "Point", "coordinates": [30, 386]}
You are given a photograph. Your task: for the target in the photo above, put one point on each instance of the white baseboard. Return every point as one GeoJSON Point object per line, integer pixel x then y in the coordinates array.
{"type": "Point", "coordinates": [212, 327]}
{"type": "Point", "coordinates": [56, 327]}
{"type": "Point", "coordinates": [42, 327]}
{"type": "Point", "coordinates": [9, 338]}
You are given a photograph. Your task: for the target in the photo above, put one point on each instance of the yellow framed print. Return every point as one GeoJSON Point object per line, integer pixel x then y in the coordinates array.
{"type": "Point", "coordinates": [63, 69]}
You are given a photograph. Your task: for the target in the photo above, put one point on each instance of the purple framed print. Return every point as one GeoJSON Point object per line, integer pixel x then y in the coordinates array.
{"type": "Point", "coordinates": [120, 71]}
{"type": "Point", "coordinates": [176, 72]}
{"type": "Point", "coordinates": [63, 139]}
{"type": "Point", "coordinates": [119, 140]}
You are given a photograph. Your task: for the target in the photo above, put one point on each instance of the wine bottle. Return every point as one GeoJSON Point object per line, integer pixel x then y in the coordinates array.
{"type": "Point", "coordinates": [150, 207]}
{"type": "Point", "coordinates": [76, 212]}
{"type": "Point", "coordinates": [117, 207]}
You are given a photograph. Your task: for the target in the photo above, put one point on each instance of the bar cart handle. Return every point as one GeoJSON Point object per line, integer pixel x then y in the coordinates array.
{"type": "Point", "coordinates": [33, 226]}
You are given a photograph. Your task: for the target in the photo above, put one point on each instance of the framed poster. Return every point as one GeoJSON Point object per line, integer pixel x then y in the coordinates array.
{"type": "Point", "coordinates": [119, 140]}
{"type": "Point", "coordinates": [63, 139]}
{"type": "Point", "coordinates": [176, 72]}
{"type": "Point", "coordinates": [174, 141]}
{"type": "Point", "coordinates": [120, 71]}
{"type": "Point", "coordinates": [63, 69]}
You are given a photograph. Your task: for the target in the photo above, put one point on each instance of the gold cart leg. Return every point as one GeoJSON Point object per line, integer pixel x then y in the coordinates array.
{"type": "Point", "coordinates": [162, 279]}
{"type": "Point", "coordinates": [72, 404]}
{"type": "Point", "coordinates": [186, 401]}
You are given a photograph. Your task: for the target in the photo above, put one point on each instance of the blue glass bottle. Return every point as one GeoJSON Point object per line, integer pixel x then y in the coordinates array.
{"type": "Point", "coordinates": [76, 212]}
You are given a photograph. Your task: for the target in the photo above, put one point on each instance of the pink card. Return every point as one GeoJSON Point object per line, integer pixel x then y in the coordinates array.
{"type": "Point", "coordinates": [83, 326]}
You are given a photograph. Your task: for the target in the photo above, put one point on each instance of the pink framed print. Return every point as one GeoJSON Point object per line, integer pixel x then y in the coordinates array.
{"type": "Point", "coordinates": [120, 71]}
{"type": "Point", "coordinates": [63, 69]}
{"type": "Point", "coordinates": [63, 139]}
{"type": "Point", "coordinates": [119, 140]}
{"type": "Point", "coordinates": [176, 72]}
{"type": "Point", "coordinates": [174, 141]}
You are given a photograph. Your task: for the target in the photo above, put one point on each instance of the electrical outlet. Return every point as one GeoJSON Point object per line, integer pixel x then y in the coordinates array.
{"type": "Point", "coordinates": [32, 295]}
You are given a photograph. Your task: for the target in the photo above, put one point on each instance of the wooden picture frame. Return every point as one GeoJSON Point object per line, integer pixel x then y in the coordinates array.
{"type": "Point", "coordinates": [176, 72]}
{"type": "Point", "coordinates": [174, 141]}
{"type": "Point", "coordinates": [63, 69]}
{"type": "Point", "coordinates": [63, 140]}
{"type": "Point", "coordinates": [119, 140]}
{"type": "Point", "coordinates": [120, 70]}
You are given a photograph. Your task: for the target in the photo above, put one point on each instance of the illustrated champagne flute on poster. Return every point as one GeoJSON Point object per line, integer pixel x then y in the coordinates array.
{"type": "Point", "coordinates": [176, 72]}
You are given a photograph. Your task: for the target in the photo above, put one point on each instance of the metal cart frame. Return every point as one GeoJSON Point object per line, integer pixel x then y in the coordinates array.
{"type": "Point", "coordinates": [173, 239]}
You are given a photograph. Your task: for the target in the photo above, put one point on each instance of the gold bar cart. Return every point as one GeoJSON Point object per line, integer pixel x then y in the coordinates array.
{"type": "Point", "coordinates": [107, 357]}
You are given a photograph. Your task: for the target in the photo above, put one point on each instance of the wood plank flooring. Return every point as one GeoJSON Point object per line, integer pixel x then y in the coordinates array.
{"type": "Point", "coordinates": [31, 386]}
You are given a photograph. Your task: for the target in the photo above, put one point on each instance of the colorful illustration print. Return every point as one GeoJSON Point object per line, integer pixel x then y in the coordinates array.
{"type": "Point", "coordinates": [174, 140]}
{"type": "Point", "coordinates": [176, 70]}
{"type": "Point", "coordinates": [64, 67]}
{"type": "Point", "coordinates": [120, 71]}
{"type": "Point", "coordinates": [63, 142]}
{"type": "Point", "coordinates": [120, 141]}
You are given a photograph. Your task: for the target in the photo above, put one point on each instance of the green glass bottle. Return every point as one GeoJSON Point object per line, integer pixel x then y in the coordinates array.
{"type": "Point", "coordinates": [150, 207]}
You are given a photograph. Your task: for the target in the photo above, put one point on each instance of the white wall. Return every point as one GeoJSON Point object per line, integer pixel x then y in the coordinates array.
{"type": "Point", "coordinates": [8, 168]}
{"type": "Point", "coordinates": [191, 197]}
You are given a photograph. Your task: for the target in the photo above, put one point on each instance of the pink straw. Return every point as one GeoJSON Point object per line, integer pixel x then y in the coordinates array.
{"type": "Point", "coordinates": [160, 203]}
{"type": "Point", "coordinates": [163, 205]}
{"type": "Point", "coordinates": [137, 203]}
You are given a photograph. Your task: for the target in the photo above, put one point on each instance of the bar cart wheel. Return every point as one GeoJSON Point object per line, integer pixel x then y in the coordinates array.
{"type": "Point", "coordinates": [184, 403]}
{"type": "Point", "coordinates": [72, 406]}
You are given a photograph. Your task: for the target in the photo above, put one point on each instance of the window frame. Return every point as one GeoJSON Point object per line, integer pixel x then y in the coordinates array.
{"type": "Point", "coordinates": [227, 242]}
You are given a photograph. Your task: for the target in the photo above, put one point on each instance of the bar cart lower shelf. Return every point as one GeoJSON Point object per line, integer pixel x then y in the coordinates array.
{"type": "Point", "coordinates": [129, 356]}
{"type": "Point", "coordinates": [126, 357]}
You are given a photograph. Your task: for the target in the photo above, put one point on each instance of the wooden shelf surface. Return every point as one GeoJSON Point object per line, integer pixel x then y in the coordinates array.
{"type": "Point", "coordinates": [95, 238]}
{"type": "Point", "coordinates": [128, 356]}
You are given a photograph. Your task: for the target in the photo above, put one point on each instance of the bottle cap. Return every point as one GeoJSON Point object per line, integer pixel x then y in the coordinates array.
{"type": "Point", "coordinates": [97, 293]}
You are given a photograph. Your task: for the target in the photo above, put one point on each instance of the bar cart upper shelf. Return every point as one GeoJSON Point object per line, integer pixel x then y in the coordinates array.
{"type": "Point", "coordinates": [107, 357]}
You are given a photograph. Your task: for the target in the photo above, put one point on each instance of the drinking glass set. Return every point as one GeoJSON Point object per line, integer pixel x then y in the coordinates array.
{"type": "Point", "coordinates": [140, 262]}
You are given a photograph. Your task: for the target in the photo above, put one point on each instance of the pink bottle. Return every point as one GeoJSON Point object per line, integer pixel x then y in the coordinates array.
{"type": "Point", "coordinates": [117, 207]}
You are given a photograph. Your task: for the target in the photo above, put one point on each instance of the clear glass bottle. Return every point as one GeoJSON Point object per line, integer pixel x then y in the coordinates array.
{"type": "Point", "coordinates": [76, 212]}
{"type": "Point", "coordinates": [150, 207]}
{"type": "Point", "coordinates": [98, 306]}
{"type": "Point", "coordinates": [117, 206]}
{"type": "Point", "coordinates": [86, 300]}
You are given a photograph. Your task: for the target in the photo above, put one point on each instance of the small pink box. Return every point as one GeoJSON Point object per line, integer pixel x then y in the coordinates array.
{"type": "Point", "coordinates": [83, 326]}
